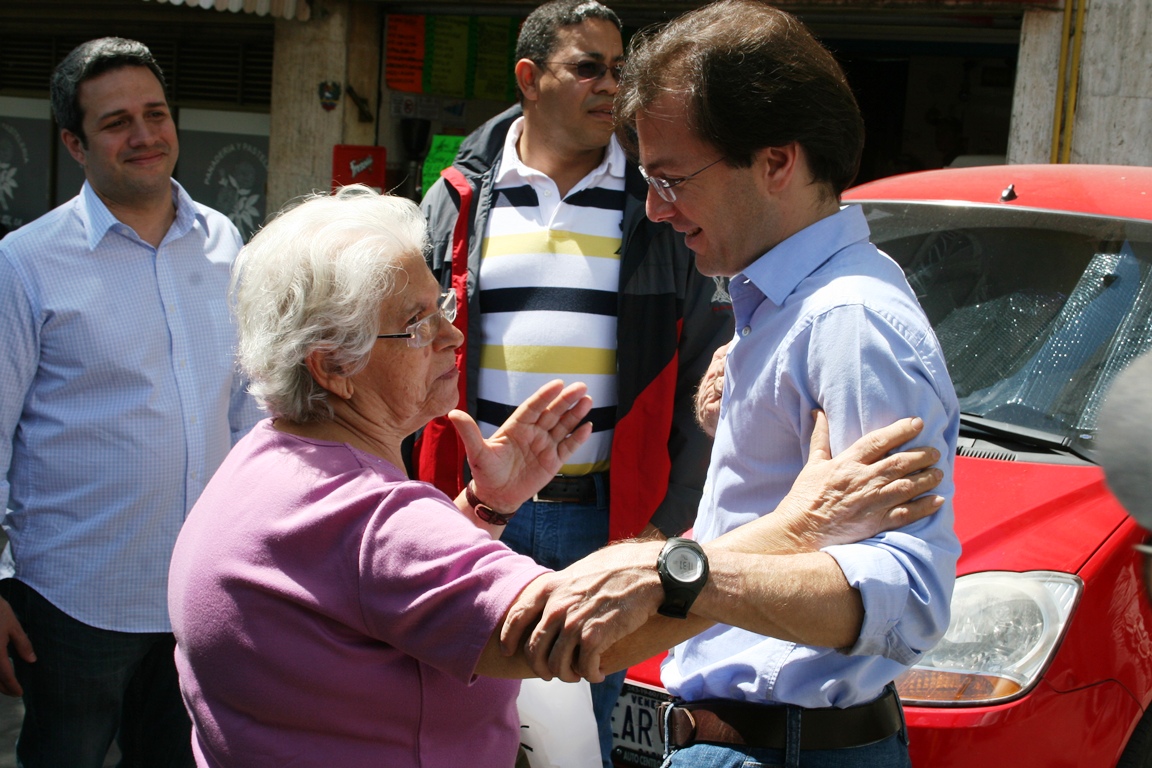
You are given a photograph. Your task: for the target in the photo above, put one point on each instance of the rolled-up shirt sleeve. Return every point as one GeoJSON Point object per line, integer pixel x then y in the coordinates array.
{"type": "Point", "coordinates": [883, 371]}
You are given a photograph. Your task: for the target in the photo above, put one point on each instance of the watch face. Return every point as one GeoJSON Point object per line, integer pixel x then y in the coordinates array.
{"type": "Point", "coordinates": [684, 565]}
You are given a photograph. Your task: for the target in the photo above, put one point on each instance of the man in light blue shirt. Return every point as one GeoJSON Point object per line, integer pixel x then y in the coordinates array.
{"type": "Point", "coordinates": [823, 320]}
{"type": "Point", "coordinates": [747, 132]}
{"type": "Point", "coordinates": [119, 397]}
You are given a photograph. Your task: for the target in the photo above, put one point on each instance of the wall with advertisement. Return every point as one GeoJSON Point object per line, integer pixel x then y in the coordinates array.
{"type": "Point", "coordinates": [443, 76]}
{"type": "Point", "coordinates": [25, 159]}
{"type": "Point", "coordinates": [224, 163]}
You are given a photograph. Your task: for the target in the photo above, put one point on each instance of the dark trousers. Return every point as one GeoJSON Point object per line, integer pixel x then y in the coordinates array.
{"type": "Point", "coordinates": [89, 686]}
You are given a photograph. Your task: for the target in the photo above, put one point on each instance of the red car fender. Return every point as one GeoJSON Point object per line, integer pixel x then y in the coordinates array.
{"type": "Point", "coordinates": [1045, 729]}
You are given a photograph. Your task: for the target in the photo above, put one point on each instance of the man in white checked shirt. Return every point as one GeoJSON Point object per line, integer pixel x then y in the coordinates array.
{"type": "Point", "coordinates": [118, 399]}
{"type": "Point", "coordinates": [539, 227]}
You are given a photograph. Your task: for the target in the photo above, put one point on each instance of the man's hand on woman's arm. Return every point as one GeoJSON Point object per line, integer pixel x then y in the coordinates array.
{"type": "Point", "coordinates": [566, 622]}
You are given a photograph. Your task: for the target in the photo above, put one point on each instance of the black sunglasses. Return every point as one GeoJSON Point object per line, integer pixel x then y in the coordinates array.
{"type": "Point", "coordinates": [591, 70]}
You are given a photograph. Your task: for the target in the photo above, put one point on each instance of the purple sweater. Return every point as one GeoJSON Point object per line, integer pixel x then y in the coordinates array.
{"type": "Point", "coordinates": [330, 611]}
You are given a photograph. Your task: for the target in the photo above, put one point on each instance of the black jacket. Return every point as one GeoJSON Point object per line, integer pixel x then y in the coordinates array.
{"type": "Point", "coordinates": [670, 320]}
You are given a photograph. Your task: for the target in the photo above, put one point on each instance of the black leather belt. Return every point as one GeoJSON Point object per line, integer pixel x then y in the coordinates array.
{"type": "Point", "coordinates": [764, 726]}
{"type": "Point", "coordinates": [578, 489]}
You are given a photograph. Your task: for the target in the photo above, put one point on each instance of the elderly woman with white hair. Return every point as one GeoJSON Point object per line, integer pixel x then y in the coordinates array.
{"type": "Point", "coordinates": [329, 611]}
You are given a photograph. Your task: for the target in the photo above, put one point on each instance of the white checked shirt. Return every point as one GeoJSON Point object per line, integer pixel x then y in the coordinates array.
{"type": "Point", "coordinates": [119, 397]}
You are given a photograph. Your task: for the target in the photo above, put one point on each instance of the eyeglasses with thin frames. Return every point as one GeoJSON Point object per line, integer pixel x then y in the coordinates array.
{"type": "Point", "coordinates": [423, 331]}
{"type": "Point", "coordinates": [664, 187]}
{"type": "Point", "coordinates": [588, 69]}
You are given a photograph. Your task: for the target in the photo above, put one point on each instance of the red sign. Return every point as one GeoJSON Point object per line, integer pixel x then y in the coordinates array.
{"type": "Point", "coordinates": [358, 164]}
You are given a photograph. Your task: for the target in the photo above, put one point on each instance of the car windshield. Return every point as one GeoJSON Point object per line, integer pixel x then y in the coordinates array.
{"type": "Point", "coordinates": [1036, 311]}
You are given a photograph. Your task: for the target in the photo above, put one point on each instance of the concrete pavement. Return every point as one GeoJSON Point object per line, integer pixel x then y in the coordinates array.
{"type": "Point", "coordinates": [11, 715]}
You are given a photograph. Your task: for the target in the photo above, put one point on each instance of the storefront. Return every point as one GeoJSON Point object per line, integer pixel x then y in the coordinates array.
{"type": "Point", "coordinates": [275, 98]}
{"type": "Point", "coordinates": [934, 81]}
{"type": "Point", "coordinates": [219, 72]}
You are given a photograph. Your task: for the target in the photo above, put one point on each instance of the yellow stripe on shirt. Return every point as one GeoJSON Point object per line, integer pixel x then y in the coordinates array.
{"type": "Point", "coordinates": [559, 360]}
{"type": "Point", "coordinates": [551, 241]}
{"type": "Point", "coordinates": [587, 468]}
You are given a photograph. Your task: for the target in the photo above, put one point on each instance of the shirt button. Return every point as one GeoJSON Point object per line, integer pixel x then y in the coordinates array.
{"type": "Point", "coordinates": [746, 330]}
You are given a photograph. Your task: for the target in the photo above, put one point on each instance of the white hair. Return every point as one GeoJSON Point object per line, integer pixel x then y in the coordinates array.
{"type": "Point", "coordinates": [314, 278]}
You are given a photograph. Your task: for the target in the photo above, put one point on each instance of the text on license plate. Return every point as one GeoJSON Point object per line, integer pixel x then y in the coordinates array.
{"type": "Point", "coordinates": [637, 735]}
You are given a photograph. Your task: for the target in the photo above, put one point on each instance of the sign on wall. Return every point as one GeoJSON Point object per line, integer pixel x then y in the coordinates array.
{"type": "Point", "coordinates": [224, 164]}
{"type": "Point", "coordinates": [459, 56]}
{"type": "Point", "coordinates": [441, 154]}
{"type": "Point", "coordinates": [25, 148]}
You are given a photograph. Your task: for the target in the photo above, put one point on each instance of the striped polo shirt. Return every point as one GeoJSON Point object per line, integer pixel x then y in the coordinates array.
{"type": "Point", "coordinates": [549, 276]}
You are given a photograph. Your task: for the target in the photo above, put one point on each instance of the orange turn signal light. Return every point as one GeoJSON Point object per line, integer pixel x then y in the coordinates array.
{"type": "Point", "coordinates": [937, 686]}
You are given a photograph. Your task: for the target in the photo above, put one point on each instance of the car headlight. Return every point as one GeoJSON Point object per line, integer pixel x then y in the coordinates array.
{"type": "Point", "coordinates": [1005, 629]}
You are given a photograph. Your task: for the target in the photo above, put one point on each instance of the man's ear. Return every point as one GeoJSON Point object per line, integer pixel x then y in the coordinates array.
{"type": "Point", "coordinates": [319, 364]}
{"type": "Point", "coordinates": [779, 166]}
{"type": "Point", "coordinates": [74, 145]}
{"type": "Point", "coordinates": [528, 78]}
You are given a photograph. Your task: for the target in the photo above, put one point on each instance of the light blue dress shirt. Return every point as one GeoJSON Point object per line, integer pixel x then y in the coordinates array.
{"type": "Point", "coordinates": [825, 320]}
{"type": "Point", "coordinates": [119, 397]}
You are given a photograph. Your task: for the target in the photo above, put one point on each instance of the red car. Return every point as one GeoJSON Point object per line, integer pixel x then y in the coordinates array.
{"type": "Point", "coordinates": [1038, 281]}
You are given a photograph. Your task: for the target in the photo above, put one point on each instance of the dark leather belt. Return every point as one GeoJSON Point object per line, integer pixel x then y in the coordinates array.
{"type": "Point", "coordinates": [764, 726]}
{"type": "Point", "coordinates": [579, 489]}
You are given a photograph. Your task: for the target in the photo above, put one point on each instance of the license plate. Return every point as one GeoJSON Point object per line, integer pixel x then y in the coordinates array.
{"type": "Point", "coordinates": [637, 735]}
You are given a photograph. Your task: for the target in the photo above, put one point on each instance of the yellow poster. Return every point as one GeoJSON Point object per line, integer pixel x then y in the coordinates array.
{"type": "Point", "coordinates": [496, 43]}
{"type": "Point", "coordinates": [446, 55]}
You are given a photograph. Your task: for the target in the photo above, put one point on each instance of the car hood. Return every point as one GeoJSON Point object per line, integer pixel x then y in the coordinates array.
{"type": "Point", "coordinates": [1103, 190]}
{"type": "Point", "coordinates": [1024, 516]}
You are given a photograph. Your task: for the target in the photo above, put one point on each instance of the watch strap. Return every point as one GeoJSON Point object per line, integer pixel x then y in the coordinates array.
{"type": "Point", "coordinates": [483, 511]}
{"type": "Point", "coordinates": [676, 603]}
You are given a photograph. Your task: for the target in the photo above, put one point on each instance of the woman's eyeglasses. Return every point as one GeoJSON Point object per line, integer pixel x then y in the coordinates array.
{"type": "Point", "coordinates": [422, 332]}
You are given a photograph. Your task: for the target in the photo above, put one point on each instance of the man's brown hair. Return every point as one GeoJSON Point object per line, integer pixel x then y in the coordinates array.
{"type": "Point", "coordinates": [751, 76]}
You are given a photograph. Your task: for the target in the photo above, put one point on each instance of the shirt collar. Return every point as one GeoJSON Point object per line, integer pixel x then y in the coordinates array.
{"type": "Point", "coordinates": [779, 271]}
{"type": "Point", "coordinates": [512, 169]}
{"type": "Point", "coordinates": [98, 219]}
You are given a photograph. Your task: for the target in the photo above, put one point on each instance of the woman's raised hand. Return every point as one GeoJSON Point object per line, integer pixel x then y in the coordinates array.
{"type": "Point", "coordinates": [529, 448]}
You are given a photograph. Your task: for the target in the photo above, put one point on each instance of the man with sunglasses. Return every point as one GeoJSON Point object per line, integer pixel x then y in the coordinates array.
{"type": "Point", "coordinates": [539, 227]}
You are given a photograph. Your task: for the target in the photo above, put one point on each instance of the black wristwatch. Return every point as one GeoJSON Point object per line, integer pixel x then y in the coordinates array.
{"type": "Point", "coordinates": [683, 569]}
